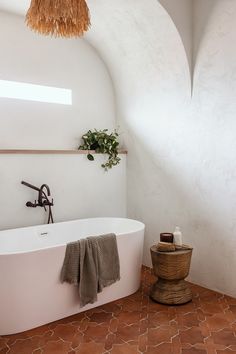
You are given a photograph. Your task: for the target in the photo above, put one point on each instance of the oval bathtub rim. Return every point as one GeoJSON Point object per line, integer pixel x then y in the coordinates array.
{"type": "Point", "coordinates": [65, 222]}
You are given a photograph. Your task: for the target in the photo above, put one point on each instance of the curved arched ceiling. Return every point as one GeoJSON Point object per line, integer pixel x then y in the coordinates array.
{"type": "Point", "coordinates": [117, 26]}
{"type": "Point", "coordinates": [143, 51]}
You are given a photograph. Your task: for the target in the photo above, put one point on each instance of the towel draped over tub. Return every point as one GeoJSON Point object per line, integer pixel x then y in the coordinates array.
{"type": "Point", "coordinates": [91, 264]}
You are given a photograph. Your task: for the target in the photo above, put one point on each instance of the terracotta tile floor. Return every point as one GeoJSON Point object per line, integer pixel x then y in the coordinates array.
{"type": "Point", "coordinates": [135, 324]}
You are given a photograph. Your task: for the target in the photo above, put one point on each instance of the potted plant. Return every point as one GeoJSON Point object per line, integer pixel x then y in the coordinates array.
{"type": "Point", "coordinates": [102, 142]}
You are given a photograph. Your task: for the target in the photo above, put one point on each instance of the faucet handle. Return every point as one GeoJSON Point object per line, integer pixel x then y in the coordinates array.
{"type": "Point", "coordinates": [31, 205]}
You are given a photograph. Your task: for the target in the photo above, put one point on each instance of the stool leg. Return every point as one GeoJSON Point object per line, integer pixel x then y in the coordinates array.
{"type": "Point", "coordinates": [171, 292]}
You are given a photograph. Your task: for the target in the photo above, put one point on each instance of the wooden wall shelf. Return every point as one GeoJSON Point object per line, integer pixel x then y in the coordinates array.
{"type": "Point", "coordinates": [50, 152]}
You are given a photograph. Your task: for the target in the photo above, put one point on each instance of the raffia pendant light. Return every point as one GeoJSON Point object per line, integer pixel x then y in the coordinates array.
{"type": "Point", "coordinates": [59, 18]}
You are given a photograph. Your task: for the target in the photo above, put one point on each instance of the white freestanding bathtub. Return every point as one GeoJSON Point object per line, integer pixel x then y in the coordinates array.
{"type": "Point", "coordinates": [31, 258]}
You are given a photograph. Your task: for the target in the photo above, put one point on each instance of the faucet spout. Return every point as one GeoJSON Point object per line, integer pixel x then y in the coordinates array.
{"type": "Point", "coordinates": [43, 200]}
{"type": "Point", "coordinates": [42, 195]}
{"type": "Point", "coordinates": [48, 189]}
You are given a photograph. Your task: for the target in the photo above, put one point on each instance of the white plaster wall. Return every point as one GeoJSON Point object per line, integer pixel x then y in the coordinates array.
{"type": "Point", "coordinates": [73, 64]}
{"type": "Point", "coordinates": [181, 168]}
{"type": "Point", "coordinates": [80, 188]}
{"type": "Point", "coordinates": [213, 224]}
{"type": "Point", "coordinates": [150, 71]}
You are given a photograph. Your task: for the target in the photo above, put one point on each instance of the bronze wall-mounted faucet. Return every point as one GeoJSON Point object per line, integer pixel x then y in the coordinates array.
{"type": "Point", "coordinates": [43, 200]}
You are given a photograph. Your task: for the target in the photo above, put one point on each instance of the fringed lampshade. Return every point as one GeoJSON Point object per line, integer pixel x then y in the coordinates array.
{"type": "Point", "coordinates": [59, 18]}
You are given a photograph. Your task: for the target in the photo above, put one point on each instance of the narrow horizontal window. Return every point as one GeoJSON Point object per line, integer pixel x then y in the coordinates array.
{"type": "Point", "coordinates": [29, 92]}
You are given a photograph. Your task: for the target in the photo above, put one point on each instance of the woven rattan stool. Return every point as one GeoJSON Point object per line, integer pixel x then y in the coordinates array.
{"type": "Point", "coordinates": [171, 268]}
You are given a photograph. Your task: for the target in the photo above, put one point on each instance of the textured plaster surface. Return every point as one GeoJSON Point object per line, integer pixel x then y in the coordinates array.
{"type": "Point", "coordinates": [71, 64]}
{"type": "Point", "coordinates": [181, 150]}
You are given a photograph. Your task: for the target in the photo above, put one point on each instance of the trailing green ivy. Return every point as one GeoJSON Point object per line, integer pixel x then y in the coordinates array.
{"type": "Point", "coordinates": [102, 142]}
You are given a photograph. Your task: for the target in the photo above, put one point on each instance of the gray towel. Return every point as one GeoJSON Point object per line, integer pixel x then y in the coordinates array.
{"type": "Point", "coordinates": [88, 273]}
{"type": "Point", "coordinates": [70, 268]}
{"type": "Point", "coordinates": [108, 264]}
{"type": "Point", "coordinates": [92, 264]}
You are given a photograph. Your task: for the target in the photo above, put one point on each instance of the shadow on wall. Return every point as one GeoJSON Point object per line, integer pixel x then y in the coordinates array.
{"type": "Point", "coordinates": [202, 12]}
{"type": "Point", "coordinates": [180, 12]}
{"type": "Point", "coordinates": [163, 198]}
{"type": "Point", "coordinates": [190, 19]}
